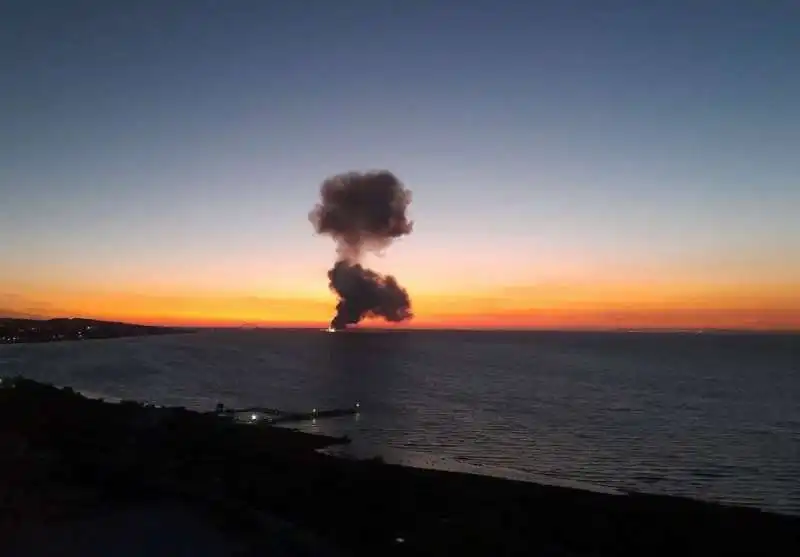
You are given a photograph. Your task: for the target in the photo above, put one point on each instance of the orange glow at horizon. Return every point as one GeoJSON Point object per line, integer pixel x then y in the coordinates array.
{"type": "Point", "coordinates": [552, 306]}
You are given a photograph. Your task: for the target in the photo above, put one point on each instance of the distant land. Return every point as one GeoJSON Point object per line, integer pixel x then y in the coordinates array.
{"type": "Point", "coordinates": [14, 330]}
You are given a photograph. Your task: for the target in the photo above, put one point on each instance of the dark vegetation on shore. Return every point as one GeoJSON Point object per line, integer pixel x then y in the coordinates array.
{"type": "Point", "coordinates": [57, 446]}
{"type": "Point", "coordinates": [15, 331]}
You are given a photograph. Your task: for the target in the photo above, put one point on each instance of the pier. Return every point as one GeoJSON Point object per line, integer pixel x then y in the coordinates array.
{"type": "Point", "coordinates": [273, 416]}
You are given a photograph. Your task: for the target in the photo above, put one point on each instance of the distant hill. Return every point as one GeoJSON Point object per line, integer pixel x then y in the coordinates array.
{"type": "Point", "coordinates": [15, 330]}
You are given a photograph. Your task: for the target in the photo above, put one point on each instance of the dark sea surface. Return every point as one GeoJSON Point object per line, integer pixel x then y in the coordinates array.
{"type": "Point", "coordinates": [710, 416]}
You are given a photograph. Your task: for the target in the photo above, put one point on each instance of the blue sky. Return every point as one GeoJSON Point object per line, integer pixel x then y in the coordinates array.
{"type": "Point", "coordinates": [181, 144]}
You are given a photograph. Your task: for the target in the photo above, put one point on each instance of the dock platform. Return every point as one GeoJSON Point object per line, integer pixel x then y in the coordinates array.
{"type": "Point", "coordinates": [273, 416]}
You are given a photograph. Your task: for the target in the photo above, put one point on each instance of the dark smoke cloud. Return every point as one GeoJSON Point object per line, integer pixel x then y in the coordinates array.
{"type": "Point", "coordinates": [363, 211]}
{"type": "Point", "coordinates": [364, 293]}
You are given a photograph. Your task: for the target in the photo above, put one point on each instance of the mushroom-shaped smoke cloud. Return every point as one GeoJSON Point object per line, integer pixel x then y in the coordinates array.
{"type": "Point", "coordinates": [363, 211]}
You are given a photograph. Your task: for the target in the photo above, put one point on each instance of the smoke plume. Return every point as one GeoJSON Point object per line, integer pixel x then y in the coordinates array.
{"type": "Point", "coordinates": [363, 212]}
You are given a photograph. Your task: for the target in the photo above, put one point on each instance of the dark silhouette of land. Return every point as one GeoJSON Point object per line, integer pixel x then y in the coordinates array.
{"type": "Point", "coordinates": [15, 330]}
{"type": "Point", "coordinates": [65, 458]}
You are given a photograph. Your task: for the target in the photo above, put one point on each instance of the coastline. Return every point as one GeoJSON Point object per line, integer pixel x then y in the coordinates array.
{"type": "Point", "coordinates": [38, 331]}
{"type": "Point", "coordinates": [56, 441]}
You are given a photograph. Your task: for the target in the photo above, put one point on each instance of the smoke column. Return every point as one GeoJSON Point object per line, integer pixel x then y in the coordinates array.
{"type": "Point", "coordinates": [363, 212]}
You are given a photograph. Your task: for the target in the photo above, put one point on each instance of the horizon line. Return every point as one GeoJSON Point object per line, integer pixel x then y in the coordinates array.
{"type": "Point", "coordinates": [424, 328]}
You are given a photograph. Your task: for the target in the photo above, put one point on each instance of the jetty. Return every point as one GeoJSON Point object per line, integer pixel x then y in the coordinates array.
{"type": "Point", "coordinates": [274, 416]}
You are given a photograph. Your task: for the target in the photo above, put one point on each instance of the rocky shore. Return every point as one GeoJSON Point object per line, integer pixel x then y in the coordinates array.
{"type": "Point", "coordinates": [65, 457]}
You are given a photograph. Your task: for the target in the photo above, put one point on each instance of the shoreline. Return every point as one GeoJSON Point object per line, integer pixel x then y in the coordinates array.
{"type": "Point", "coordinates": [55, 439]}
{"type": "Point", "coordinates": [92, 339]}
{"type": "Point", "coordinates": [15, 331]}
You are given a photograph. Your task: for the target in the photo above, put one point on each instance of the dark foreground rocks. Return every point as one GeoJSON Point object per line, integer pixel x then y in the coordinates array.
{"type": "Point", "coordinates": [66, 458]}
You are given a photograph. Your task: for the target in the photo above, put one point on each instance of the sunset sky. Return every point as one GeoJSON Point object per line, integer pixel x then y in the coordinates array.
{"type": "Point", "coordinates": [573, 164]}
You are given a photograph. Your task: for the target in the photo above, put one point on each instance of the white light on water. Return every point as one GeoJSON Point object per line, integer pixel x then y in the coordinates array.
{"type": "Point", "coordinates": [330, 330]}
{"type": "Point", "coordinates": [253, 417]}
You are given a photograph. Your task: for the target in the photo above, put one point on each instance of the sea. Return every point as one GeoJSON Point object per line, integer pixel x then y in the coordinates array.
{"type": "Point", "coordinates": [712, 416]}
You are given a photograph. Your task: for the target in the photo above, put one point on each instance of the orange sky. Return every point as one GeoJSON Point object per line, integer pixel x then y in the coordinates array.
{"type": "Point", "coordinates": [547, 305]}
{"type": "Point", "coordinates": [615, 183]}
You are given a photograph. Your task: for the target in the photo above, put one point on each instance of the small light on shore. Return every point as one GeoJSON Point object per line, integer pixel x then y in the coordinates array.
{"type": "Point", "coordinates": [358, 405]}
{"type": "Point", "coordinates": [253, 417]}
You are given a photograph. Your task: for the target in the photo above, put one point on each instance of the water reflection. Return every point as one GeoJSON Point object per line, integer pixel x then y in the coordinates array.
{"type": "Point", "coordinates": [362, 366]}
{"type": "Point", "coordinates": [368, 369]}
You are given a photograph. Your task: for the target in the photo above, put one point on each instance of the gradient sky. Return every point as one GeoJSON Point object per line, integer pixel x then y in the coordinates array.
{"type": "Point", "coordinates": [583, 164]}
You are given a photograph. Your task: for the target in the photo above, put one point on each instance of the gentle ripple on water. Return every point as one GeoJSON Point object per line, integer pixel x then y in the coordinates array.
{"type": "Point", "coordinates": [707, 416]}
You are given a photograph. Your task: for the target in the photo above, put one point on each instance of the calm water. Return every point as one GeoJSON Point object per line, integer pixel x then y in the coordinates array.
{"type": "Point", "coordinates": [709, 416]}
